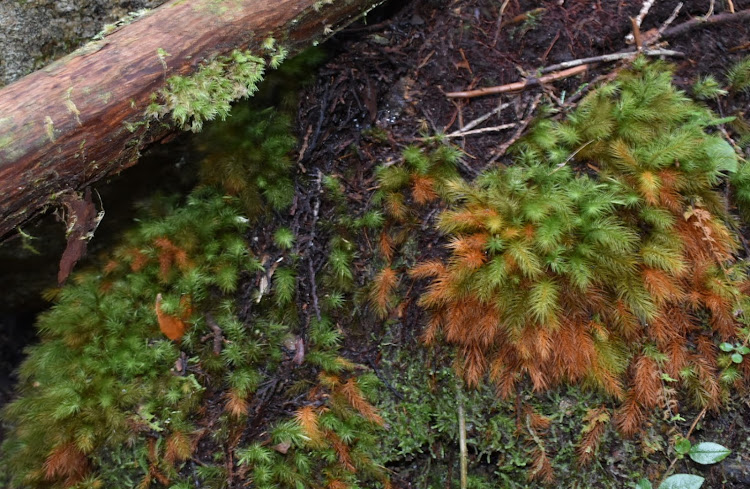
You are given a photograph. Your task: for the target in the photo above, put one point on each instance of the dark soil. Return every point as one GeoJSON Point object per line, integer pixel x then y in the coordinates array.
{"type": "Point", "coordinates": [384, 87]}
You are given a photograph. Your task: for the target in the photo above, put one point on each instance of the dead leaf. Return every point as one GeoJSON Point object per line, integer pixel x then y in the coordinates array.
{"type": "Point", "coordinates": [283, 447]}
{"type": "Point", "coordinates": [172, 327]}
{"type": "Point", "coordinates": [81, 220]}
{"type": "Point", "coordinates": [265, 280]}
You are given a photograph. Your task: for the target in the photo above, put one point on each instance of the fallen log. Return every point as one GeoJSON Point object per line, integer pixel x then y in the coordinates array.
{"type": "Point", "coordinates": [89, 115]}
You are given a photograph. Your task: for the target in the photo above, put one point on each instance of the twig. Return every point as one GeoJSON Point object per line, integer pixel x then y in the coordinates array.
{"type": "Point", "coordinates": [670, 19]}
{"type": "Point", "coordinates": [637, 20]}
{"type": "Point", "coordinates": [636, 34]}
{"type": "Point", "coordinates": [460, 134]}
{"type": "Point", "coordinates": [218, 334]}
{"type": "Point", "coordinates": [519, 132]}
{"type": "Point", "coordinates": [700, 21]}
{"type": "Point", "coordinates": [572, 155]}
{"type": "Point", "coordinates": [518, 86]}
{"type": "Point", "coordinates": [499, 23]}
{"type": "Point", "coordinates": [471, 125]}
{"type": "Point", "coordinates": [731, 6]}
{"type": "Point", "coordinates": [610, 57]}
{"type": "Point", "coordinates": [731, 141]}
{"type": "Point", "coordinates": [710, 9]}
{"type": "Point", "coordinates": [462, 438]}
{"type": "Point", "coordinates": [316, 210]}
{"type": "Point", "coordinates": [644, 11]}
{"type": "Point", "coordinates": [382, 378]}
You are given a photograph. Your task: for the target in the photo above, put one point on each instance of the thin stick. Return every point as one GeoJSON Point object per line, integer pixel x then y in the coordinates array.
{"type": "Point", "coordinates": [518, 86]}
{"type": "Point", "coordinates": [710, 9]}
{"type": "Point", "coordinates": [499, 23]}
{"type": "Point", "coordinates": [462, 438]}
{"type": "Point", "coordinates": [610, 57]}
{"type": "Point", "coordinates": [519, 132]}
{"type": "Point", "coordinates": [700, 21]}
{"type": "Point", "coordinates": [644, 11]}
{"type": "Point", "coordinates": [671, 18]}
{"type": "Point", "coordinates": [572, 155]}
{"type": "Point", "coordinates": [460, 134]}
{"type": "Point", "coordinates": [218, 335]}
{"type": "Point", "coordinates": [637, 20]}
{"type": "Point", "coordinates": [310, 244]}
{"type": "Point", "coordinates": [637, 34]}
{"type": "Point", "coordinates": [471, 125]}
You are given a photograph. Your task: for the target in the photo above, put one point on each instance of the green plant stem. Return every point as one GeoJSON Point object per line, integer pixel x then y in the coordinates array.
{"type": "Point", "coordinates": [690, 432]}
{"type": "Point", "coordinates": [462, 436]}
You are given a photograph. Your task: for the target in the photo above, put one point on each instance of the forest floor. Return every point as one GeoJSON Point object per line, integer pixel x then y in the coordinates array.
{"type": "Point", "coordinates": [387, 88]}
{"type": "Point", "coordinates": [383, 88]}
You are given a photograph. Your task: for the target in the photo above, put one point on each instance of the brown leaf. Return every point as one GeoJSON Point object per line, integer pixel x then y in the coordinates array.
{"type": "Point", "coordinates": [172, 327]}
{"type": "Point", "coordinates": [81, 220]}
{"type": "Point", "coordinates": [283, 447]}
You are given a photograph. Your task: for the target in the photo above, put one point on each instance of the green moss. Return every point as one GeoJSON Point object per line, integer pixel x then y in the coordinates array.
{"type": "Point", "coordinates": [575, 264]}
{"type": "Point", "coordinates": [106, 400]}
{"type": "Point", "coordinates": [208, 93]}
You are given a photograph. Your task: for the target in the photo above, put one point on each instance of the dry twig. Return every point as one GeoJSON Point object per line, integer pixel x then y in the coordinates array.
{"type": "Point", "coordinates": [742, 15]}
{"type": "Point", "coordinates": [460, 134]}
{"type": "Point", "coordinates": [519, 132]}
{"type": "Point", "coordinates": [518, 86]}
{"type": "Point", "coordinates": [499, 23]}
{"type": "Point", "coordinates": [471, 125]}
{"type": "Point", "coordinates": [217, 333]}
{"type": "Point", "coordinates": [669, 20]}
{"type": "Point", "coordinates": [610, 57]}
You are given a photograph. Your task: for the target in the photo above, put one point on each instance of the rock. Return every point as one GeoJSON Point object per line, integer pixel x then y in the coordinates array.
{"type": "Point", "coordinates": [36, 32]}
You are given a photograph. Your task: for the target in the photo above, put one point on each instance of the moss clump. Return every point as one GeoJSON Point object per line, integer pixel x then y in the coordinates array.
{"type": "Point", "coordinates": [567, 276]}
{"type": "Point", "coordinates": [208, 93]}
{"type": "Point", "coordinates": [248, 155]}
{"type": "Point", "coordinates": [602, 257]}
{"type": "Point", "coordinates": [106, 400]}
{"type": "Point", "coordinates": [103, 375]}
{"type": "Point", "coordinates": [245, 394]}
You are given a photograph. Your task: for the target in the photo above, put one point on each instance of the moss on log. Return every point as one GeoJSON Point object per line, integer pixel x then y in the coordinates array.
{"type": "Point", "coordinates": [90, 114]}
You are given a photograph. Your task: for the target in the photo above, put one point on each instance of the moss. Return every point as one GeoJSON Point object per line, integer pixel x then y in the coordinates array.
{"type": "Point", "coordinates": [571, 266]}
{"type": "Point", "coordinates": [421, 409]}
{"type": "Point", "coordinates": [140, 355]}
{"type": "Point", "coordinates": [208, 93]}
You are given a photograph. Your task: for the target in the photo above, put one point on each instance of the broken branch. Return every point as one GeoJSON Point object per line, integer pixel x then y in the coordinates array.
{"type": "Point", "coordinates": [518, 86]}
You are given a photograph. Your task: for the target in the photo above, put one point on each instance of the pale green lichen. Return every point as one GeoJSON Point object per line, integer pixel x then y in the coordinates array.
{"type": "Point", "coordinates": [110, 28]}
{"type": "Point", "coordinates": [162, 54]}
{"type": "Point", "coordinates": [317, 6]}
{"type": "Point", "coordinates": [209, 92]}
{"type": "Point", "coordinates": [71, 106]}
{"type": "Point", "coordinates": [49, 127]}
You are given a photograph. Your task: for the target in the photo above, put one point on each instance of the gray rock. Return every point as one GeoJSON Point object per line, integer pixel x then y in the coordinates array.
{"type": "Point", "coordinates": [35, 32]}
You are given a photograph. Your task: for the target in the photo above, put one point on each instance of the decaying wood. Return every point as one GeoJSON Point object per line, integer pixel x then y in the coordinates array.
{"type": "Point", "coordinates": [77, 121]}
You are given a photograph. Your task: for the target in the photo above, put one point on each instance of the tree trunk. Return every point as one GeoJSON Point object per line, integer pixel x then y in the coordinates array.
{"type": "Point", "coordinates": [82, 118]}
